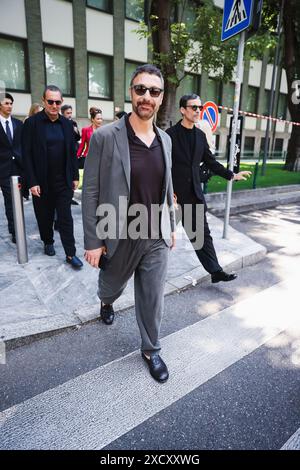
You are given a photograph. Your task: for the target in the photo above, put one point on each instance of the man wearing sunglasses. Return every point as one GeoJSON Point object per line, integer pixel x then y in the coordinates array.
{"type": "Point", "coordinates": [189, 149]}
{"type": "Point", "coordinates": [130, 160]}
{"type": "Point", "coordinates": [50, 162]}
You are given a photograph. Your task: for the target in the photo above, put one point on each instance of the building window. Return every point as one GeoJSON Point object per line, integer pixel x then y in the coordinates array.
{"type": "Point", "coordinates": [278, 145]}
{"type": "Point", "coordinates": [190, 84]}
{"type": "Point", "coordinates": [282, 106]}
{"type": "Point", "coordinates": [249, 144]}
{"type": "Point", "coordinates": [266, 102]}
{"type": "Point", "coordinates": [135, 9]}
{"type": "Point", "coordinates": [213, 90]}
{"type": "Point", "coordinates": [129, 69]}
{"type": "Point", "coordinates": [102, 5]}
{"type": "Point", "coordinates": [13, 70]}
{"type": "Point", "coordinates": [262, 143]}
{"type": "Point", "coordinates": [228, 97]}
{"type": "Point", "coordinates": [252, 100]}
{"type": "Point", "coordinates": [189, 14]}
{"type": "Point", "coordinates": [100, 76]}
{"type": "Point", "coordinates": [59, 68]}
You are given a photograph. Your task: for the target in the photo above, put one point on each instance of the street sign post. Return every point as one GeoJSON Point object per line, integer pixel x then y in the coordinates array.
{"type": "Point", "coordinates": [238, 16]}
{"type": "Point", "coordinates": [210, 113]}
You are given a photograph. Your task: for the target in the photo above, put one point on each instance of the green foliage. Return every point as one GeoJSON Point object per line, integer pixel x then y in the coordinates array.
{"type": "Point", "coordinates": [275, 176]}
{"type": "Point", "coordinates": [195, 39]}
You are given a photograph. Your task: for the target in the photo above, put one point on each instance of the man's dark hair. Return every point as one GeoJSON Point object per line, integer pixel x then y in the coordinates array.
{"type": "Point", "coordinates": [185, 98]}
{"type": "Point", "coordinates": [147, 68]}
{"type": "Point", "coordinates": [51, 88]}
{"type": "Point", "coordinates": [65, 107]}
{"type": "Point", "coordinates": [120, 114]}
{"type": "Point", "coordinates": [7, 96]}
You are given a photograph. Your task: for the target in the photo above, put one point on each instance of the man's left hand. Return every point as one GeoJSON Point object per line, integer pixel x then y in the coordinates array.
{"type": "Point", "coordinates": [242, 175]}
{"type": "Point", "coordinates": [75, 185]}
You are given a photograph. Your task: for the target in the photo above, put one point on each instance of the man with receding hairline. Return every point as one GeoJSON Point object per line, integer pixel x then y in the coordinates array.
{"type": "Point", "coordinates": [51, 172]}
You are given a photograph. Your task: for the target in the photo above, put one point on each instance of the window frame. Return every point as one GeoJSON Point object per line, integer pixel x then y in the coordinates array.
{"type": "Point", "coordinates": [95, 54]}
{"type": "Point", "coordinates": [27, 88]}
{"type": "Point", "coordinates": [220, 90]}
{"type": "Point", "coordinates": [109, 12]}
{"type": "Point", "coordinates": [251, 87]}
{"type": "Point", "coordinates": [54, 46]}
{"type": "Point", "coordinates": [133, 19]}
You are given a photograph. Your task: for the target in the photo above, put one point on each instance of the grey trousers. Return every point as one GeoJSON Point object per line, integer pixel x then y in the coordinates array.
{"type": "Point", "coordinates": [148, 260]}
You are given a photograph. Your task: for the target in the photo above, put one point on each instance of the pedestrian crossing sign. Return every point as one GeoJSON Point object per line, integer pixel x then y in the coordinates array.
{"type": "Point", "coordinates": [237, 17]}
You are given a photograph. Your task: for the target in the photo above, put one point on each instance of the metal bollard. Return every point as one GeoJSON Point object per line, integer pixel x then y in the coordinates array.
{"type": "Point", "coordinates": [18, 210]}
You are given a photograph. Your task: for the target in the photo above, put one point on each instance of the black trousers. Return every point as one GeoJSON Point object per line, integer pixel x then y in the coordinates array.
{"type": "Point", "coordinates": [57, 198]}
{"type": "Point", "coordinates": [6, 191]}
{"type": "Point", "coordinates": [207, 254]}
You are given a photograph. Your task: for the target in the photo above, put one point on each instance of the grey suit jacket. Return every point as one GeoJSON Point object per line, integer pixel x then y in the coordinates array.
{"type": "Point", "coordinates": [107, 179]}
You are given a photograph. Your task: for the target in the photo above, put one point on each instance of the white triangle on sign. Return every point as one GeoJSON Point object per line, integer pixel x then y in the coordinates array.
{"type": "Point", "coordinates": [237, 14]}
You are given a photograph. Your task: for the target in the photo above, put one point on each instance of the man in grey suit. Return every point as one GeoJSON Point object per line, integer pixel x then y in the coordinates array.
{"type": "Point", "coordinates": [128, 172]}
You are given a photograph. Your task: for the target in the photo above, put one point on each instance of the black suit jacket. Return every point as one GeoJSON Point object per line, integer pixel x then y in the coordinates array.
{"type": "Point", "coordinates": [10, 154]}
{"type": "Point", "coordinates": [185, 171]}
{"type": "Point", "coordinates": [34, 149]}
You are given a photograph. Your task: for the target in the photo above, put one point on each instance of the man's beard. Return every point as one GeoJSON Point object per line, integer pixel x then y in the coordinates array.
{"type": "Point", "coordinates": [144, 115]}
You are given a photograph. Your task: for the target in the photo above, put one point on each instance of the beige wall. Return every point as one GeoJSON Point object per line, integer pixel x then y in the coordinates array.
{"type": "Point", "coordinates": [99, 27]}
{"type": "Point", "coordinates": [135, 48]}
{"type": "Point", "coordinates": [12, 18]}
{"type": "Point", "coordinates": [57, 22]}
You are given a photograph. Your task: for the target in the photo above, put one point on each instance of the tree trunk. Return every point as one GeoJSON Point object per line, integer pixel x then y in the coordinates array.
{"type": "Point", "coordinates": [292, 65]}
{"type": "Point", "coordinates": [161, 39]}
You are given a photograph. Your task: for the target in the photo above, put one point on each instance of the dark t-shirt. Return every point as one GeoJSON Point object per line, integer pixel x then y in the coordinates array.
{"type": "Point", "coordinates": [56, 154]}
{"type": "Point", "coordinates": [187, 136]}
{"type": "Point", "coordinates": [147, 174]}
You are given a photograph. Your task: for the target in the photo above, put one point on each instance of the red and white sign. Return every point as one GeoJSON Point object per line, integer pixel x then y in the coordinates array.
{"type": "Point", "coordinates": [210, 113]}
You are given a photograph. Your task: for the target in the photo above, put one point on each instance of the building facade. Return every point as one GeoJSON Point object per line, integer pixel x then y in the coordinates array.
{"type": "Point", "coordinates": [89, 49]}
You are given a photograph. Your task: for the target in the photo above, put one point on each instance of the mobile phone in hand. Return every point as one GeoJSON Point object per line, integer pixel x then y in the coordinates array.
{"type": "Point", "coordinates": [103, 262]}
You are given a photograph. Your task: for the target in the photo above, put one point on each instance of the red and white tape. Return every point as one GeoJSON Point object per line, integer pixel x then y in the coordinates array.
{"type": "Point", "coordinates": [260, 116]}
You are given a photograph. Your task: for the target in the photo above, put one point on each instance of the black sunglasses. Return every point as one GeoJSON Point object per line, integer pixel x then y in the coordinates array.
{"type": "Point", "coordinates": [194, 107]}
{"type": "Point", "coordinates": [141, 90]}
{"type": "Point", "coordinates": [57, 102]}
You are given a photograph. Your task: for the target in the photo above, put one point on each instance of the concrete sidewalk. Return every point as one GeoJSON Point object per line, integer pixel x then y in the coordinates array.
{"type": "Point", "coordinates": [46, 294]}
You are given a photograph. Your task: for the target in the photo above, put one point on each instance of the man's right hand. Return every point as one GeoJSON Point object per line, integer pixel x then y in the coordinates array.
{"type": "Point", "coordinates": [35, 191]}
{"type": "Point", "coordinates": [93, 256]}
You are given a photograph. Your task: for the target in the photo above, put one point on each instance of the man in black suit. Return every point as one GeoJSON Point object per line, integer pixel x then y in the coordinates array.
{"type": "Point", "coordinates": [189, 149]}
{"type": "Point", "coordinates": [10, 154]}
{"type": "Point", "coordinates": [50, 162]}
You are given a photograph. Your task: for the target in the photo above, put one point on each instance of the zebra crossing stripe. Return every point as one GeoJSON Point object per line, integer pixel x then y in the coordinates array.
{"type": "Point", "coordinates": [293, 443]}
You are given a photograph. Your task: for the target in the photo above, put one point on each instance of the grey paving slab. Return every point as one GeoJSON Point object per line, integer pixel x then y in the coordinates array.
{"type": "Point", "coordinates": [46, 294]}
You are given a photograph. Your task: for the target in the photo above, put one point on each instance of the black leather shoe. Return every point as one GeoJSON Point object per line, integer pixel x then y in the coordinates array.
{"type": "Point", "coordinates": [222, 276]}
{"type": "Point", "coordinates": [107, 314]}
{"type": "Point", "coordinates": [13, 239]}
{"type": "Point", "coordinates": [49, 250]}
{"type": "Point", "coordinates": [74, 261]}
{"type": "Point", "coordinates": [157, 367]}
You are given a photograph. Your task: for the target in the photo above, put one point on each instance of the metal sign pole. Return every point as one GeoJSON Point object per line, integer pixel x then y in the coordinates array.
{"type": "Point", "coordinates": [237, 93]}
{"type": "Point", "coordinates": [19, 222]}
